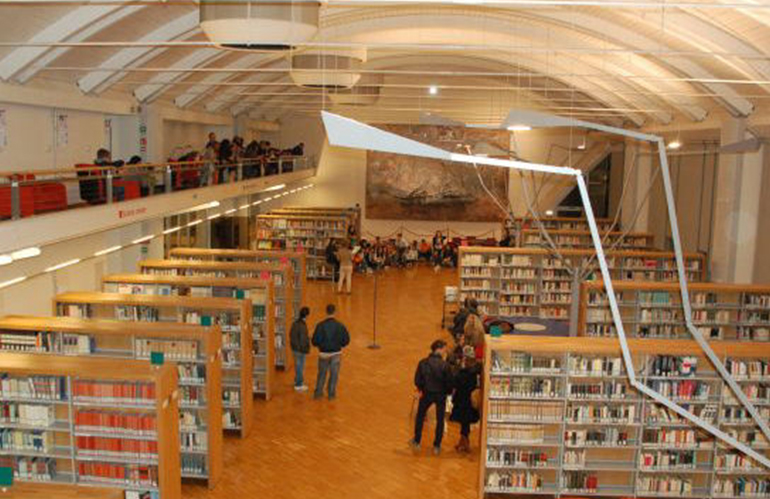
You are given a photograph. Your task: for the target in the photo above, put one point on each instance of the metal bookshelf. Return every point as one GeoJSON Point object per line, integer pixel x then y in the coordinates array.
{"type": "Point", "coordinates": [654, 310]}
{"type": "Point", "coordinates": [259, 292]}
{"type": "Point", "coordinates": [232, 315]}
{"type": "Point", "coordinates": [534, 282]}
{"type": "Point", "coordinates": [67, 378]}
{"type": "Point", "coordinates": [196, 350]}
{"type": "Point", "coordinates": [581, 239]}
{"type": "Point", "coordinates": [281, 274]}
{"type": "Point", "coordinates": [561, 419]}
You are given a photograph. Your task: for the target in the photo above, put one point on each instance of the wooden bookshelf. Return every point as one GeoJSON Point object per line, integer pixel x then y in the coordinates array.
{"type": "Point", "coordinates": [353, 214]}
{"type": "Point", "coordinates": [196, 350]}
{"type": "Point", "coordinates": [232, 315]}
{"type": "Point", "coordinates": [534, 282]}
{"type": "Point", "coordinates": [259, 292]}
{"type": "Point", "coordinates": [581, 239]}
{"type": "Point", "coordinates": [296, 258]}
{"type": "Point", "coordinates": [568, 223]}
{"type": "Point", "coordinates": [561, 419]}
{"type": "Point", "coordinates": [139, 398]}
{"type": "Point", "coordinates": [309, 233]}
{"type": "Point", "coordinates": [61, 491]}
{"type": "Point", "coordinates": [282, 276]}
{"type": "Point", "coordinates": [654, 310]}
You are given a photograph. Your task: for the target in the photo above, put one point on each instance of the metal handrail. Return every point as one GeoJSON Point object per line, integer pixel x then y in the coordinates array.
{"type": "Point", "coordinates": [97, 183]}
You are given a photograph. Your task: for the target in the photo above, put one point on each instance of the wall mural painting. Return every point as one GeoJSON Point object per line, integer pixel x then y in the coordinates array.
{"type": "Point", "coordinates": [412, 188]}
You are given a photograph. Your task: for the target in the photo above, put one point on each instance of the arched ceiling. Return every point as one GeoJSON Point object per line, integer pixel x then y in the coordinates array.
{"type": "Point", "coordinates": [638, 64]}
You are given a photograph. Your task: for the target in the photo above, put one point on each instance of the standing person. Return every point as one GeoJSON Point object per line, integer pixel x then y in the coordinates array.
{"type": "Point", "coordinates": [330, 337]}
{"type": "Point", "coordinates": [345, 259]}
{"type": "Point", "coordinates": [466, 381]}
{"type": "Point", "coordinates": [474, 330]}
{"type": "Point", "coordinates": [300, 347]}
{"type": "Point", "coordinates": [332, 260]}
{"type": "Point", "coordinates": [401, 247]}
{"type": "Point", "coordinates": [434, 382]}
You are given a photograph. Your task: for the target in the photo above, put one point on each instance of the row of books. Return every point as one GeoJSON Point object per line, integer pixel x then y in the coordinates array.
{"type": "Point", "coordinates": [193, 441]}
{"type": "Point", "coordinates": [516, 433]}
{"type": "Point", "coordinates": [118, 422]}
{"type": "Point", "coordinates": [518, 481]}
{"type": "Point", "coordinates": [595, 366]}
{"type": "Point", "coordinates": [516, 457]}
{"type": "Point", "coordinates": [193, 396]}
{"type": "Point", "coordinates": [520, 362]}
{"type": "Point", "coordinates": [109, 447]}
{"type": "Point", "coordinates": [33, 387]}
{"type": "Point", "coordinates": [605, 437]}
{"type": "Point", "coordinates": [666, 460]}
{"type": "Point", "coordinates": [36, 415]}
{"type": "Point", "coordinates": [666, 485]}
{"type": "Point", "coordinates": [132, 475]}
{"type": "Point", "coordinates": [195, 466]}
{"type": "Point", "coordinates": [602, 414]}
{"type": "Point", "coordinates": [524, 387]}
{"type": "Point", "coordinates": [26, 440]}
{"type": "Point", "coordinates": [505, 410]}
{"type": "Point", "coordinates": [597, 390]}
{"type": "Point", "coordinates": [681, 389]}
{"type": "Point", "coordinates": [171, 349]}
{"type": "Point", "coordinates": [751, 369]}
{"type": "Point", "coordinates": [112, 392]}
{"type": "Point", "coordinates": [39, 469]}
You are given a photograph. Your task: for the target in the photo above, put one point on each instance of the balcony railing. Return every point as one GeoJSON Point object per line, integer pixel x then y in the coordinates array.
{"type": "Point", "coordinates": [34, 192]}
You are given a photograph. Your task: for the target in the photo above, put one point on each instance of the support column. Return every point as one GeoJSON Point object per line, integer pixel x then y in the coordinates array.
{"type": "Point", "coordinates": [151, 134]}
{"type": "Point", "coordinates": [736, 208]}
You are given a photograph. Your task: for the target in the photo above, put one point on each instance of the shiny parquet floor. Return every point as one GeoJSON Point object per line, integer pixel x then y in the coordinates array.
{"type": "Point", "coordinates": [354, 447]}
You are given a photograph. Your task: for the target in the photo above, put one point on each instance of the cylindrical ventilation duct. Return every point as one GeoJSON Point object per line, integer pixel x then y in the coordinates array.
{"type": "Point", "coordinates": [327, 68]}
{"type": "Point", "coordinates": [365, 93]}
{"type": "Point", "coordinates": [256, 24]}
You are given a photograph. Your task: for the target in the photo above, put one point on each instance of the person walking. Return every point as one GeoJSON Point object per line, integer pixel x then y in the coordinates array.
{"type": "Point", "coordinates": [330, 337]}
{"type": "Point", "coordinates": [433, 380]}
{"type": "Point", "coordinates": [465, 382]}
{"type": "Point", "coordinates": [345, 257]}
{"type": "Point", "coordinates": [300, 347]}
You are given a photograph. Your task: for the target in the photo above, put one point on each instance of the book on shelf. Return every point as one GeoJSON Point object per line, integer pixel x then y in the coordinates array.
{"type": "Point", "coordinates": [38, 469]}
{"type": "Point", "coordinates": [51, 388]}
{"type": "Point", "coordinates": [135, 424]}
{"type": "Point", "coordinates": [129, 393]}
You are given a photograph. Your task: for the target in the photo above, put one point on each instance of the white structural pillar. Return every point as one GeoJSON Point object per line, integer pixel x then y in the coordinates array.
{"type": "Point", "coordinates": [736, 208]}
{"type": "Point", "coordinates": [151, 133]}
{"type": "Point", "coordinates": [638, 164]}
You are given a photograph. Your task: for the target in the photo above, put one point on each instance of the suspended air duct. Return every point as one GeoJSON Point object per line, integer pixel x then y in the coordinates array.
{"type": "Point", "coordinates": [327, 68]}
{"type": "Point", "coordinates": [259, 25]}
{"type": "Point", "coordinates": [365, 93]}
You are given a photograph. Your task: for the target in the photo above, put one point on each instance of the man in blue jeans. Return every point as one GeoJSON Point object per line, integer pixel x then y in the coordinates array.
{"type": "Point", "coordinates": [300, 347]}
{"type": "Point", "coordinates": [330, 337]}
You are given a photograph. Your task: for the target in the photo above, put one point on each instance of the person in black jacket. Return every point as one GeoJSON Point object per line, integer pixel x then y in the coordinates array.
{"type": "Point", "coordinates": [433, 379]}
{"type": "Point", "coordinates": [300, 347]}
{"type": "Point", "coordinates": [330, 337]}
{"type": "Point", "coordinates": [463, 412]}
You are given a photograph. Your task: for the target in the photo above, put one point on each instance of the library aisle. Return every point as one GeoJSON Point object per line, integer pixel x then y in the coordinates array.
{"type": "Point", "coordinates": [356, 446]}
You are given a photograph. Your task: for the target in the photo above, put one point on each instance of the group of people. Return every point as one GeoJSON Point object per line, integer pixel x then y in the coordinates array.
{"type": "Point", "coordinates": [350, 255]}
{"type": "Point", "coordinates": [454, 373]}
{"type": "Point", "coordinates": [330, 337]}
{"type": "Point", "coordinates": [235, 151]}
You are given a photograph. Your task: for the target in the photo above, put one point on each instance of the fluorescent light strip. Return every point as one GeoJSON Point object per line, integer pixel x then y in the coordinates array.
{"type": "Point", "coordinates": [26, 253]}
{"type": "Point", "coordinates": [255, 203]}
{"type": "Point", "coordinates": [143, 239]}
{"type": "Point", "coordinates": [63, 265]}
{"type": "Point", "coordinates": [195, 222]}
{"type": "Point", "coordinates": [169, 231]}
{"type": "Point", "coordinates": [12, 282]}
{"type": "Point", "coordinates": [275, 188]}
{"type": "Point", "coordinates": [244, 207]}
{"type": "Point", "coordinates": [212, 217]}
{"type": "Point", "coordinates": [269, 198]}
{"type": "Point", "coordinates": [5, 260]}
{"type": "Point", "coordinates": [230, 211]}
{"type": "Point", "coordinates": [108, 250]}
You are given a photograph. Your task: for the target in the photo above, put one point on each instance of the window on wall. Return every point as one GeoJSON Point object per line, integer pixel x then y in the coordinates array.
{"type": "Point", "coordinates": [598, 192]}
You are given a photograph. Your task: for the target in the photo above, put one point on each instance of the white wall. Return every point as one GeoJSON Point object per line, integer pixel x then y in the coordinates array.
{"type": "Point", "coordinates": [182, 134]}
{"type": "Point", "coordinates": [32, 140]}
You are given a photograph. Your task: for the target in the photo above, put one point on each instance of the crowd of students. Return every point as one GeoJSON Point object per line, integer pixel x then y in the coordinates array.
{"type": "Point", "coordinates": [369, 255]}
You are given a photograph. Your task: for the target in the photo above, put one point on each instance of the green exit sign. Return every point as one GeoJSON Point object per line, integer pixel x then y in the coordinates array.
{"type": "Point", "coordinates": [157, 358]}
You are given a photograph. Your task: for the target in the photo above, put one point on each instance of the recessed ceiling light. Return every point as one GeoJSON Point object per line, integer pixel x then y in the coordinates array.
{"type": "Point", "coordinates": [675, 144]}
{"type": "Point", "coordinates": [5, 259]}
{"type": "Point", "coordinates": [549, 213]}
{"type": "Point", "coordinates": [433, 90]}
{"type": "Point", "coordinates": [519, 128]}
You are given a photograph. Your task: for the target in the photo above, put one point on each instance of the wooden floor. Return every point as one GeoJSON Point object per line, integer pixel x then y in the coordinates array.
{"type": "Point", "coordinates": [356, 446]}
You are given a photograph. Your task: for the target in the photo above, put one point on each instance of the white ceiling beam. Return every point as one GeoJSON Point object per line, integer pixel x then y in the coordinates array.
{"type": "Point", "coordinates": [159, 84]}
{"type": "Point", "coordinates": [65, 27]}
{"type": "Point", "coordinates": [41, 62]}
{"type": "Point", "coordinates": [197, 92]}
{"type": "Point", "coordinates": [97, 81]}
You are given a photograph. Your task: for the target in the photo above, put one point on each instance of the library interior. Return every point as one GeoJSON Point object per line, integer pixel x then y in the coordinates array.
{"type": "Point", "coordinates": [378, 249]}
